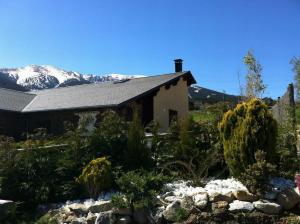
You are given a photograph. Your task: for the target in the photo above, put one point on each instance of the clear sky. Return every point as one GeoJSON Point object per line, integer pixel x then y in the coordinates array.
{"type": "Point", "coordinates": [144, 36]}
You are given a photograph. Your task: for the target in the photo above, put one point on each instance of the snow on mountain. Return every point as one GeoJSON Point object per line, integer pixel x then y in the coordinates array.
{"type": "Point", "coordinates": [33, 77]}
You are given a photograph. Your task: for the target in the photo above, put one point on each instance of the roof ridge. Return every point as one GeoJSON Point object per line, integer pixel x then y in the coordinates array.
{"type": "Point", "coordinates": [18, 91]}
{"type": "Point", "coordinates": [101, 83]}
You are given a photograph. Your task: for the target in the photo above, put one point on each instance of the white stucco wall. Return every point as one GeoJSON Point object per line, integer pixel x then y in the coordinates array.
{"type": "Point", "coordinates": [174, 98]}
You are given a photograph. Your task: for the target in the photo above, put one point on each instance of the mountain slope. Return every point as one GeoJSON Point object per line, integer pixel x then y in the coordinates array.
{"type": "Point", "coordinates": [202, 95]}
{"type": "Point", "coordinates": [33, 77]}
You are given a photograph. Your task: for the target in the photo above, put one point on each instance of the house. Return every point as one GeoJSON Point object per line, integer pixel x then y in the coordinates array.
{"type": "Point", "coordinates": [160, 98]}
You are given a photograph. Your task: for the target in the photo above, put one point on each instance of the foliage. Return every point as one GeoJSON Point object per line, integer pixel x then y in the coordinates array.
{"type": "Point", "coordinates": [47, 219]}
{"type": "Point", "coordinates": [246, 129]}
{"type": "Point", "coordinates": [137, 154]}
{"type": "Point", "coordinates": [211, 112]}
{"type": "Point", "coordinates": [256, 177]}
{"type": "Point", "coordinates": [254, 86]}
{"type": "Point", "coordinates": [181, 215]}
{"type": "Point", "coordinates": [297, 113]}
{"type": "Point", "coordinates": [119, 201]}
{"type": "Point", "coordinates": [139, 188]}
{"type": "Point", "coordinates": [35, 175]}
{"type": "Point", "coordinates": [97, 176]}
{"type": "Point", "coordinates": [109, 139]}
{"type": "Point", "coordinates": [296, 69]}
{"type": "Point", "coordinates": [289, 162]}
{"type": "Point", "coordinates": [191, 150]}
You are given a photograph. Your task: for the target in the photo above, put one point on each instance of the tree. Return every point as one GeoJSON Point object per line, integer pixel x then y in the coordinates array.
{"type": "Point", "coordinates": [245, 130]}
{"type": "Point", "coordinates": [137, 154]}
{"type": "Point", "coordinates": [254, 86]}
{"type": "Point", "coordinates": [296, 68]}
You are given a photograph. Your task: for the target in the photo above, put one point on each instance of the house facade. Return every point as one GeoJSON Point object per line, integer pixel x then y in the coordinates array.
{"type": "Point", "coordinates": [158, 98]}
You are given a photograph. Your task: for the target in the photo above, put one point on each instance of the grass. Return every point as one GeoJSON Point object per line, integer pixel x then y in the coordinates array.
{"type": "Point", "coordinates": [202, 116]}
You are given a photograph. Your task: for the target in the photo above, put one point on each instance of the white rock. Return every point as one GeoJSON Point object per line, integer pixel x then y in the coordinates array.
{"type": "Point", "coordinates": [241, 206]}
{"type": "Point", "coordinates": [267, 207]}
{"type": "Point", "coordinates": [170, 199]}
{"type": "Point", "coordinates": [183, 188]}
{"type": "Point", "coordinates": [170, 211]}
{"type": "Point", "coordinates": [201, 200]}
{"type": "Point", "coordinates": [103, 218]}
{"type": "Point", "coordinates": [224, 186]}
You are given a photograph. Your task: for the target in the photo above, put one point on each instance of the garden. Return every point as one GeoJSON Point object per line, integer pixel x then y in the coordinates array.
{"type": "Point", "coordinates": [225, 164]}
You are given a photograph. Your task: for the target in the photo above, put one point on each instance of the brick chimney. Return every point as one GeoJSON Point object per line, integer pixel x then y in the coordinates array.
{"type": "Point", "coordinates": [178, 65]}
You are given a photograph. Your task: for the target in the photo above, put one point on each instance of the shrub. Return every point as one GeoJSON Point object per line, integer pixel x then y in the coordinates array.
{"type": "Point", "coordinates": [137, 154]}
{"type": "Point", "coordinates": [97, 176]}
{"type": "Point", "coordinates": [191, 150]}
{"type": "Point", "coordinates": [289, 162]}
{"type": "Point", "coordinates": [181, 215]}
{"type": "Point", "coordinates": [246, 129]}
{"type": "Point", "coordinates": [257, 176]}
{"type": "Point", "coordinates": [109, 139]}
{"type": "Point", "coordinates": [138, 188]}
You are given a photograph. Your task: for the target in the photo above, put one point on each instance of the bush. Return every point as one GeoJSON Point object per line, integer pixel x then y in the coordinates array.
{"type": "Point", "coordinates": [138, 189]}
{"type": "Point", "coordinates": [191, 150]}
{"type": "Point", "coordinates": [257, 176]}
{"type": "Point", "coordinates": [137, 154]}
{"type": "Point", "coordinates": [289, 162]}
{"type": "Point", "coordinates": [97, 176]}
{"type": "Point", "coordinates": [245, 130]}
{"type": "Point", "coordinates": [109, 139]}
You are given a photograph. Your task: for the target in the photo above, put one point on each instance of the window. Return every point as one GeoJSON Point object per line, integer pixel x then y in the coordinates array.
{"type": "Point", "coordinates": [173, 116]}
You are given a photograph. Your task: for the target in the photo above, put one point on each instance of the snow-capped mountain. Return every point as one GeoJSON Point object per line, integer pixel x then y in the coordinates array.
{"type": "Point", "coordinates": [33, 77]}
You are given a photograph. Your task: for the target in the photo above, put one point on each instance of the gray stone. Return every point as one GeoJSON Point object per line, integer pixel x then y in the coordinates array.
{"type": "Point", "coordinates": [241, 206]}
{"type": "Point", "coordinates": [170, 211]}
{"type": "Point", "coordinates": [103, 217]}
{"type": "Point", "coordinates": [201, 200]}
{"type": "Point", "coordinates": [267, 207]}
{"type": "Point", "coordinates": [229, 197]}
{"type": "Point", "coordinates": [288, 198]}
{"type": "Point", "coordinates": [244, 196]}
{"type": "Point", "coordinates": [101, 206]}
{"type": "Point", "coordinates": [187, 203]}
{"type": "Point", "coordinates": [219, 207]}
{"type": "Point", "coordinates": [171, 199]}
{"type": "Point", "coordinates": [78, 209]}
{"type": "Point", "coordinates": [91, 218]}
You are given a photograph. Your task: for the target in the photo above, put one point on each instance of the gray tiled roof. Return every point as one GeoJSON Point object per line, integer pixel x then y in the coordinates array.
{"type": "Point", "coordinates": [93, 95]}
{"type": "Point", "coordinates": [12, 100]}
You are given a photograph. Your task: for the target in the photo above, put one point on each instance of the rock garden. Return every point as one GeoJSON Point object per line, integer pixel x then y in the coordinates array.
{"type": "Point", "coordinates": [239, 166]}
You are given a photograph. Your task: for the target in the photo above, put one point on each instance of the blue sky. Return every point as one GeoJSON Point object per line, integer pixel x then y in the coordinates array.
{"type": "Point", "coordinates": [144, 36]}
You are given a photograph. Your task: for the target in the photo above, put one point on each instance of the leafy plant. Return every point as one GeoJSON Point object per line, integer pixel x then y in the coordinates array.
{"type": "Point", "coordinates": [97, 176]}
{"type": "Point", "coordinates": [109, 139]}
{"type": "Point", "coordinates": [289, 162]}
{"type": "Point", "coordinates": [190, 150]}
{"type": "Point", "coordinates": [137, 154]}
{"type": "Point", "coordinates": [256, 177]}
{"type": "Point", "coordinates": [246, 129]}
{"type": "Point", "coordinates": [181, 215]}
{"type": "Point", "coordinates": [139, 188]}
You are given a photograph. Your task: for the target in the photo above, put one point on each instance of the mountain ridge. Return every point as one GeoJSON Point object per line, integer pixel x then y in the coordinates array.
{"type": "Point", "coordinates": [35, 77]}
{"type": "Point", "coordinates": [38, 77]}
